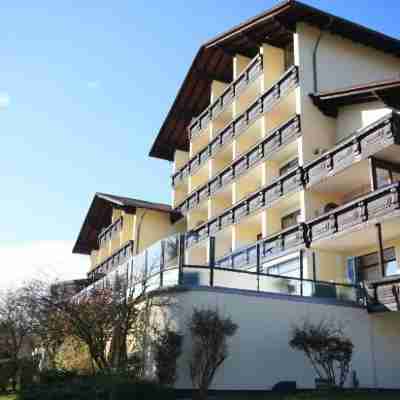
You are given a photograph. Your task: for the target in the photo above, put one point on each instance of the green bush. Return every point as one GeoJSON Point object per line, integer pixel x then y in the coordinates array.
{"type": "Point", "coordinates": [61, 386]}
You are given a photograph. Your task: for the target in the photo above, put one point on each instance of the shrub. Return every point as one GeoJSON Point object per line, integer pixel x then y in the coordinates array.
{"type": "Point", "coordinates": [59, 385]}
{"type": "Point", "coordinates": [8, 370]}
{"type": "Point", "coordinates": [168, 348]}
{"type": "Point", "coordinates": [327, 348]}
{"type": "Point", "coordinates": [210, 332]}
{"type": "Point", "coordinates": [73, 354]}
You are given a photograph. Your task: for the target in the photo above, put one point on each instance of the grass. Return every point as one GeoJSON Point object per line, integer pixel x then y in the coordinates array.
{"type": "Point", "coordinates": [361, 395]}
{"type": "Point", "coordinates": [7, 397]}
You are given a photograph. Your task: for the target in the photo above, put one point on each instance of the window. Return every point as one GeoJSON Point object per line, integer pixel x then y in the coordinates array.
{"type": "Point", "coordinates": [291, 219]}
{"type": "Point", "coordinates": [290, 268]}
{"type": "Point", "coordinates": [289, 55]}
{"type": "Point", "coordinates": [289, 166]}
{"type": "Point", "coordinates": [369, 265]}
{"type": "Point", "coordinates": [383, 177]}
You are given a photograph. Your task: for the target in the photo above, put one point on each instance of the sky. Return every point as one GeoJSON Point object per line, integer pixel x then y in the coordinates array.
{"type": "Point", "coordinates": [84, 89]}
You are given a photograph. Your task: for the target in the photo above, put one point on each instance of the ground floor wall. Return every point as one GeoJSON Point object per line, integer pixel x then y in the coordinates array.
{"type": "Point", "coordinates": [260, 355]}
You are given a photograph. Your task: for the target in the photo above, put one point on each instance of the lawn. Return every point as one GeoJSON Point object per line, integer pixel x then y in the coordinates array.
{"type": "Point", "coordinates": [361, 395]}
{"type": "Point", "coordinates": [302, 396]}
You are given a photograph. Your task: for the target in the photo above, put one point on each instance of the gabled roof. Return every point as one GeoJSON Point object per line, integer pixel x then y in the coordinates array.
{"type": "Point", "coordinates": [100, 213]}
{"type": "Point", "coordinates": [213, 61]}
{"type": "Point", "coordinates": [387, 91]}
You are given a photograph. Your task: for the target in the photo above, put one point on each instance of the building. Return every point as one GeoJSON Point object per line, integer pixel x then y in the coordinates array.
{"type": "Point", "coordinates": [284, 140]}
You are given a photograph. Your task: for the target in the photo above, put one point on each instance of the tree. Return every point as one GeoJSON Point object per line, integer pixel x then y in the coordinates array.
{"type": "Point", "coordinates": [16, 327]}
{"type": "Point", "coordinates": [105, 319]}
{"type": "Point", "coordinates": [209, 333]}
{"type": "Point", "coordinates": [326, 347]}
{"type": "Point", "coordinates": [167, 349]}
{"type": "Point", "coordinates": [73, 355]}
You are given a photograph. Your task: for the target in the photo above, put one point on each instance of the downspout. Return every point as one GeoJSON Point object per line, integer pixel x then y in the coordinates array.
{"type": "Point", "coordinates": [316, 47]}
{"type": "Point", "coordinates": [138, 231]}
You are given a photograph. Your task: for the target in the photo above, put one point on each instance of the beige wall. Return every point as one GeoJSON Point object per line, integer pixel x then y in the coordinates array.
{"type": "Point", "coordinates": [259, 353]}
{"type": "Point", "coordinates": [357, 116]}
{"type": "Point", "coordinates": [340, 63]}
{"type": "Point", "coordinates": [155, 226]}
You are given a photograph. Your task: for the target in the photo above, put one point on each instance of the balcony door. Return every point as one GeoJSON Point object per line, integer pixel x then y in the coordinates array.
{"type": "Point", "coordinates": [369, 268]}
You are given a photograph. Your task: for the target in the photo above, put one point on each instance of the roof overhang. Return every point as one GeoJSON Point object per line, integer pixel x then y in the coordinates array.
{"type": "Point", "coordinates": [99, 216]}
{"type": "Point", "coordinates": [387, 91]}
{"type": "Point", "coordinates": [213, 61]}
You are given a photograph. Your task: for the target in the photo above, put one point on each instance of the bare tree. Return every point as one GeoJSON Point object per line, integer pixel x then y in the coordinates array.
{"type": "Point", "coordinates": [16, 327]}
{"type": "Point", "coordinates": [209, 333]}
{"type": "Point", "coordinates": [105, 319]}
{"type": "Point", "coordinates": [326, 347]}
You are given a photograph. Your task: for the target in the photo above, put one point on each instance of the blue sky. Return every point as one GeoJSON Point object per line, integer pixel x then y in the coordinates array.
{"type": "Point", "coordinates": [84, 90]}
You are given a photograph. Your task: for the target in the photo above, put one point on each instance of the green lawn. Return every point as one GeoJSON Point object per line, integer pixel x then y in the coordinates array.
{"type": "Point", "coordinates": [10, 397]}
{"type": "Point", "coordinates": [319, 396]}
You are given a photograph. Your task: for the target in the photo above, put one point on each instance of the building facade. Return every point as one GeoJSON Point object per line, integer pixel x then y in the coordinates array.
{"type": "Point", "coordinates": [284, 143]}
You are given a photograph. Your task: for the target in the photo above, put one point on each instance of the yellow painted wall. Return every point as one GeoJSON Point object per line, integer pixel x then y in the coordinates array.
{"type": "Point", "coordinates": [180, 159]}
{"type": "Point", "coordinates": [318, 131]}
{"type": "Point", "coordinates": [274, 65]}
{"type": "Point", "coordinates": [196, 217]}
{"type": "Point", "coordinates": [155, 226]}
{"type": "Point", "coordinates": [217, 204]}
{"type": "Point", "coordinates": [244, 234]}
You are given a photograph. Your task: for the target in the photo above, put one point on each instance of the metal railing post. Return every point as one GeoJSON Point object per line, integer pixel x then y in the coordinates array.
{"type": "Point", "coordinates": [301, 272]}
{"type": "Point", "coordinates": [258, 266]}
{"type": "Point", "coordinates": [162, 263]}
{"type": "Point", "coordinates": [181, 258]}
{"type": "Point", "coordinates": [145, 269]}
{"type": "Point", "coordinates": [211, 249]}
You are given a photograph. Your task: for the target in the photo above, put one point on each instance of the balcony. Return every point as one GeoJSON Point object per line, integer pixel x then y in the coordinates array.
{"type": "Point", "coordinates": [280, 188]}
{"type": "Point", "coordinates": [161, 268]}
{"type": "Point", "coordinates": [114, 260]}
{"type": "Point", "coordinates": [241, 124]}
{"type": "Point", "coordinates": [239, 85]}
{"type": "Point", "coordinates": [352, 226]}
{"type": "Point", "coordinates": [384, 294]}
{"type": "Point", "coordinates": [110, 233]}
{"type": "Point", "coordinates": [378, 139]}
{"type": "Point", "coordinates": [277, 245]}
{"type": "Point", "coordinates": [264, 150]}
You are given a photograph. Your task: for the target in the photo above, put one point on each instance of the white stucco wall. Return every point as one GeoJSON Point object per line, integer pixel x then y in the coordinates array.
{"type": "Point", "coordinates": [259, 352]}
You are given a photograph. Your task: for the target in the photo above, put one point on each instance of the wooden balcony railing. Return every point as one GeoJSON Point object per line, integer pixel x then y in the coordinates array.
{"type": "Point", "coordinates": [377, 204]}
{"type": "Point", "coordinates": [364, 143]}
{"type": "Point", "coordinates": [117, 258]}
{"type": "Point", "coordinates": [249, 75]}
{"type": "Point", "coordinates": [278, 138]}
{"type": "Point", "coordinates": [239, 125]}
{"type": "Point", "coordinates": [263, 198]}
{"type": "Point", "coordinates": [109, 232]}
{"type": "Point", "coordinates": [384, 294]}
{"type": "Point", "coordinates": [288, 240]}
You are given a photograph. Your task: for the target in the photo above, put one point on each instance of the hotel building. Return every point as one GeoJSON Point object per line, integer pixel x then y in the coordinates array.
{"type": "Point", "coordinates": [284, 146]}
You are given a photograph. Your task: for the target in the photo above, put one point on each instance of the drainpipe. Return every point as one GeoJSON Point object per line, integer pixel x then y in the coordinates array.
{"type": "Point", "coordinates": [315, 72]}
{"type": "Point", "coordinates": [138, 231]}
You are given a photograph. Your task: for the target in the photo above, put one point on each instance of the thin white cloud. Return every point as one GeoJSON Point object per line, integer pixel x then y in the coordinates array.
{"type": "Point", "coordinates": [4, 100]}
{"type": "Point", "coordinates": [93, 84]}
{"type": "Point", "coordinates": [47, 260]}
